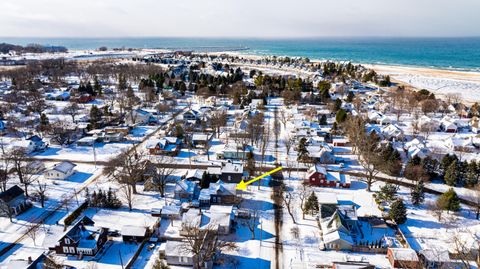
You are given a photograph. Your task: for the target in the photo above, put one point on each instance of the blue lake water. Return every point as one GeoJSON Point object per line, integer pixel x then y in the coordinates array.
{"type": "Point", "coordinates": [445, 53]}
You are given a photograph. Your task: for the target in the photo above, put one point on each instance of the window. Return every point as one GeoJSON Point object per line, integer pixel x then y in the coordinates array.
{"type": "Point", "coordinates": [72, 250]}
{"type": "Point", "coordinates": [67, 241]}
{"type": "Point", "coordinates": [229, 178]}
{"type": "Point", "coordinates": [65, 249]}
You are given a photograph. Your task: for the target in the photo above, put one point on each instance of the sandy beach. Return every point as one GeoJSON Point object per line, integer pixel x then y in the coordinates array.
{"type": "Point", "coordinates": [439, 81]}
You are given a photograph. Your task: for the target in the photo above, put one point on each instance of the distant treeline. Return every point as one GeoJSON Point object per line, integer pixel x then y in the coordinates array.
{"type": "Point", "coordinates": [30, 48]}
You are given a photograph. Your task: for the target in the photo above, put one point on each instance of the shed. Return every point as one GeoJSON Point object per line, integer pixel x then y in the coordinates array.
{"type": "Point", "coordinates": [131, 233]}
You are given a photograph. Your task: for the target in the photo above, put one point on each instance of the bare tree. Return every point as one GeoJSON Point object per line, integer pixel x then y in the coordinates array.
{"type": "Point", "coordinates": [263, 147]}
{"type": "Point", "coordinates": [162, 174]}
{"type": "Point", "coordinates": [162, 109]}
{"type": "Point", "coordinates": [128, 194]}
{"type": "Point", "coordinates": [41, 191]}
{"type": "Point", "coordinates": [288, 142]}
{"type": "Point", "coordinates": [288, 198]}
{"type": "Point", "coordinates": [204, 244]}
{"type": "Point", "coordinates": [22, 166]}
{"type": "Point", "coordinates": [127, 168]}
{"type": "Point", "coordinates": [255, 128]}
{"type": "Point", "coordinates": [32, 231]}
{"type": "Point", "coordinates": [6, 211]}
{"type": "Point", "coordinates": [436, 209]}
{"type": "Point", "coordinates": [283, 117]}
{"type": "Point", "coordinates": [476, 199]}
{"type": "Point", "coordinates": [251, 223]}
{"type": "Point", "coordinates": [302, 196]}
{"type": "Point", "coordinates": [464, 248]}
{"type": "Point", "coordinates": [218, 120]}
{"type": "Point", "coordinates": [72, 109]}
{"type": "Point", "coordinates": [61, 133]}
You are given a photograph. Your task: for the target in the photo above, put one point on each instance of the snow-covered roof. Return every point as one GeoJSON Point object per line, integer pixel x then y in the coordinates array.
{"type": "Point", "coordinates": [232, 168]}
{"type": "Point", "coordinates": [64, 167]}
{"type": "Point", "coordinates": [171, 210]}
{"type": "Point", "coordinates": [327, 198]}
{"type": "Point", "coordinates": [131, 230]}
{"type": "Point", "coordinates": [194, 173]}
{"type": "Point", "coordinates": [318, 168]}
{"type": "Point", "coordinates": [404, 254]}
{"type": "Point", "coordinates": [435, 255]}
{"type": "Point", "coordinates": [337, 235]}
{"type": "Point", "coordinates": [185, 186]}
{"type": "Point", "coordinates": [177, 248]}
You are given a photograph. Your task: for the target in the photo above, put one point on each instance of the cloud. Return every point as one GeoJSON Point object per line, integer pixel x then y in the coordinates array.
{"type": "Point", "coordinates": [233, 18]}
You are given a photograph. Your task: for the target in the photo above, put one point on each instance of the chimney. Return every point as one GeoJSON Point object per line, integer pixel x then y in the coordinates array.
{"type": "Point", "coordinates": [30, 261]}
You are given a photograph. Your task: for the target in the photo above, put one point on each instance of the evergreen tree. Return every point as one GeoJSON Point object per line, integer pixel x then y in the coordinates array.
{"type": "Point", "coordinates": [447, 161]}
{"type": "Point", "coordinates": [302, 150]}
{"type": "Point", "coordinates": [179, 132]}
{"type": "Point", "coordinates": [311, 204]}
{"type": "Point", "coordinates": [97, 87]}
{"type": "Point", "coordinates": [89, 88]}
{"type": "Point", "coordinates": [430, 166]}
{"type": "Point", "coordinates": [323, 120]}
{"type": "Point", "coordinates": [44, 120]}
{"type": "Point", "coordinates": [388, 192]}
{"type": "Point", "coordinates": [472, 174]}
{"type": "Point", "coordinates": [449, 201]}
{"type": "Point", "coordinates": [418, 193]}
{"type": "Point", "coordinates": [205, 181]}
{"type": "Point", "coordinates": [452, 174]}
{"type": "Point", "coordinates": [338, 104]}
{"type": "Point", "coordinates": [398, 212]}
{"type": "Point", "coordinates": [95, 117]}
{"type": "Point", "coordinates": [350, 96]}
{"type": "Point", "coordinates": [341, 115]}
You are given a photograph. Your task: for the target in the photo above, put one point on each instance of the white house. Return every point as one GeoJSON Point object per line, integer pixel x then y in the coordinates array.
{"type": "Point", "coordinates": [448, 125]}
{"type": "Point", "coordinates": [27, 145]}
{"type": "Point", "coordinates": [60, 171]}
{"type": "Point", "coordinates": [139, 116]}
{"type": "Point", "coordinates": [392, 131]}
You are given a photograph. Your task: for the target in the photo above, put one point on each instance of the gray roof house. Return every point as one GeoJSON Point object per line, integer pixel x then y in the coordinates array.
{"type": "Point", "coordinates": [60, 170]}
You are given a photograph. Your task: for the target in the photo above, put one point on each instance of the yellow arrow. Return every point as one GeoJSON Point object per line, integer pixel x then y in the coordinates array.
{"type": "Point", "coordinates": [243, 185]}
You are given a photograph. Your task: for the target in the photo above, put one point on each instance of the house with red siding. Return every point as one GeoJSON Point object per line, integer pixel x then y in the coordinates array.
{"type": "Point", "coordinates": [319, 176]}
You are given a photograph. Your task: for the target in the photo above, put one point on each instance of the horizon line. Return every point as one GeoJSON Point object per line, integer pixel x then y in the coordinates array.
{"type": "Point", "coordinates": [242, 37]}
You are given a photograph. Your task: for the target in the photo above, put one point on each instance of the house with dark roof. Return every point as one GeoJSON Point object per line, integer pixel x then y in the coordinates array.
{"type": "Point", "coordinates": [319, 176]}
{"type": "Point", "coordinates": [60, 171]}
{"type": "Point", "coordinates": [339, 226]}
{"type": "Point", "coordinates": [201, 140]}
{"type": "Point", "coordinates": [232, 173]}
{"type": "Point", "coordinates": [218, 193]}
{"type": "Point", "coordinates": [168, 145]}
{"type": "Point", "coordinates": [13, 202]}
{"type": "Point", "coordinates": [38, 142]}
{"type": "Point", "coordinates": [82, 239]}
{"type": "Point", "coordinates": [186, 190]}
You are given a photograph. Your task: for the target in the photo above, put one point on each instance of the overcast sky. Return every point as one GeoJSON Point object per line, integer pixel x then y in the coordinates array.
{"type": "Point", "coordinates": [238, 18]}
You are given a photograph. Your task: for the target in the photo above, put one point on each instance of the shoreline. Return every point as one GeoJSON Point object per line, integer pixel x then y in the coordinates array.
{"type": "Point", "coordinates": [441, 82]}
